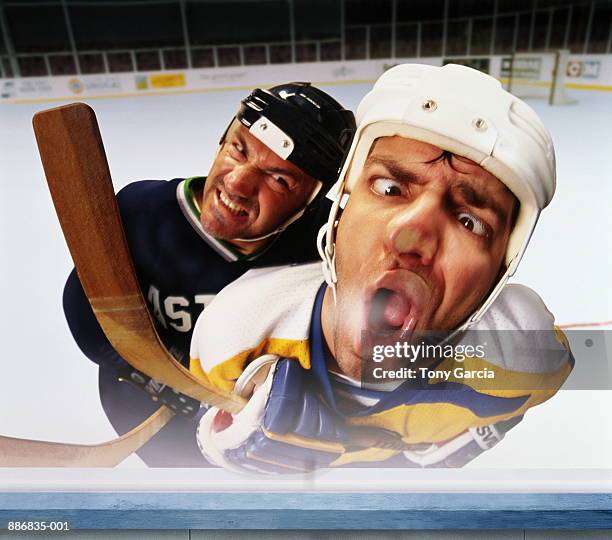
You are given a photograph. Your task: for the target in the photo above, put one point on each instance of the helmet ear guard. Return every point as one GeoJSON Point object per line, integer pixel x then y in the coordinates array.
{"type": "Point", "coordinates": [467, 113]}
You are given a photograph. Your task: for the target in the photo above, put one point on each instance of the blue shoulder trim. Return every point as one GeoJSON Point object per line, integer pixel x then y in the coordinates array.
{"type": "Point", "coordinates": [319, 351]}
{"type": "Point", "coordinates": [481, 405]}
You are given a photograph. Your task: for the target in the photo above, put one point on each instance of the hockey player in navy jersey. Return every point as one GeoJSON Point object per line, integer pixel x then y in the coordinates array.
{"type": "Point", "coordinates": [261, 204]}
{"type": "Point", "coordinates": [440, 193]}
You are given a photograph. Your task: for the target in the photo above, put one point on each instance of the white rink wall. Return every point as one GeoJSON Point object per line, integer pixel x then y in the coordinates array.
{"type": "Point", "coordinates": [588, 72]}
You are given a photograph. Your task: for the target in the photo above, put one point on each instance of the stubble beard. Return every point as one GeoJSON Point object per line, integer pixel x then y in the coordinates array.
{"type": "Point", "coordinates": [347, 359]}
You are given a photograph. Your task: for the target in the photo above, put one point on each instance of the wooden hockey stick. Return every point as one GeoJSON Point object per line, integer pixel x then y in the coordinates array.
{"type": "Point", "coordinates": [79, 179]}
{"type": "Point", "coordinates": [81, 187]}
{"type": "Point", "coordinates": [30, 453]}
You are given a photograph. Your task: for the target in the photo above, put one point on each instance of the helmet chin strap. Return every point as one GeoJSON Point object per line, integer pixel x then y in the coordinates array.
{"type": "Point", "coordinates": [289, 221]}
{"type": "Point", "coordinates": [328, 263]}
{"type": "Point", "coordinates": [326, 239]}
{"type": "Point", "coordinates": [263, 237]}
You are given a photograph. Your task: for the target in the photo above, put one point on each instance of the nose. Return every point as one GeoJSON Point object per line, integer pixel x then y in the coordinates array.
{"type": "Point", "coordinates": [241, 181]}
{"type": "Point", "coordinates": [413, 234]}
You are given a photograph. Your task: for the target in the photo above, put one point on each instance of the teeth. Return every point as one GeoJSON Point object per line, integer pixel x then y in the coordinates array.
{"type": "Point", "coordinates": [231, 206]}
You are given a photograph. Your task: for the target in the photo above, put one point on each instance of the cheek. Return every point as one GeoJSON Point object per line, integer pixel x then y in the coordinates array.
{"type": "Point", "coordinates": [351, 250]}
{"type": "Point", "coordinates": [218, 167]}
{"type": "Point", "coordinates": [272, 208]}
{"type": "Point", "coordinates": [273, 203]}
{"type": "Point", "coordinates": [358, 236]}
{"type": "Point", "coordinates": [208, 194]}
{"type": "Point", "coordinates": [468, 278]}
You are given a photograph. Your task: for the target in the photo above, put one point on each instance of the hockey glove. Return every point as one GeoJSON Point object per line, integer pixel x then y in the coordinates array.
{"type": "Point", "coordinates": [286, 427]}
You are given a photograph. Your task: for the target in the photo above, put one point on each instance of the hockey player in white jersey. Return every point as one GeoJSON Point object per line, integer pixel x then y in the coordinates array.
{"type": "Point", "coordinates": [440, 193]}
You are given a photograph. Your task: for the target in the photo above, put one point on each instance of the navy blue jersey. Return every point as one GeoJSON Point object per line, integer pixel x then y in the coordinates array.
{"type": "Point", "coordinates": [179, 266]}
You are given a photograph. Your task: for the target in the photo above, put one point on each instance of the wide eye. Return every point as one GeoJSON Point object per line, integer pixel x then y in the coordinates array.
{"type": "Point", "coordinates": [473, 224]}
{"type": "Point", "coordinates": [388, 187]}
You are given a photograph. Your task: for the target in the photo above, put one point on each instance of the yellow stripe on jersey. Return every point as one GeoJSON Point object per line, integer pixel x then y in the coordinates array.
{"type": "Point", "coordinates": [562, 337]}
{"type": "Point", "coordinates": [269, 311]}
{"type": "Point", "coordinates": [224, 374]}
{"type": "Point", "coordinates": [369, 454]}
{"type": "Point", "coordinates": [436, 422]}
{"type": "Point", "coordinates": [505, 383]}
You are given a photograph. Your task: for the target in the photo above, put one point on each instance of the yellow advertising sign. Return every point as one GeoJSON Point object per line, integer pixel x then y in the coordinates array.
{"type": "Point", "coordinates": [167, 80]}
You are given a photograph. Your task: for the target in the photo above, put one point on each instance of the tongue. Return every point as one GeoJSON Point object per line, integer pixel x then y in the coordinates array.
{"type": "Point", "coordinates": [396, 310]}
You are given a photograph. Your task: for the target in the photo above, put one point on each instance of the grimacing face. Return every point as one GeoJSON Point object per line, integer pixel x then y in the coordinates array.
{"type": "Point", "coordinates": [250, 190]}
{"type": "Point", "coordinates": [418, 247]}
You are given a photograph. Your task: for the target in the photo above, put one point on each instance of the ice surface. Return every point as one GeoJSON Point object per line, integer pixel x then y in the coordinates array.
{"type": "Point", "coordinates": [49, 390]}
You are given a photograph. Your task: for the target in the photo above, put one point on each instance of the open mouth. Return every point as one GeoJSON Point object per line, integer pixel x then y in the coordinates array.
{"type": "Point", "coordinates": [390, 315]}
{"type": "Point", "coordinates": [231, 206]}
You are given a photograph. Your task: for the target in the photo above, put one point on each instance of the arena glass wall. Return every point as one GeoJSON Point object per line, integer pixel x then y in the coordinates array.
{"type": "Point", "coordinates": [73, 37]}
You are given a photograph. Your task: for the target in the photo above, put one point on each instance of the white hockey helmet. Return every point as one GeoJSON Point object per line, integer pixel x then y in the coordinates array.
{"type": "Point", "coordinates": [468, 113]}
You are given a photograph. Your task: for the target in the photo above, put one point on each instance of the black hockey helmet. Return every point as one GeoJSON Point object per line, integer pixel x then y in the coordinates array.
{"type": "Point", "coordinates": [303, 125]}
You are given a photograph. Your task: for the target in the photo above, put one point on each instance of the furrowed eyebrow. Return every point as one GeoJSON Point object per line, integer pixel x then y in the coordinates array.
{"type": "Point", "coordinates": [481, 200]}
{"type": "Point", "coordinates": [271, 170]}
{"type": "Point", "coordinates": [280, 170]}
{"type": "Point", "coordinates": [394, 168]}
{"type": "Point", "coordinates": [472, 196]}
